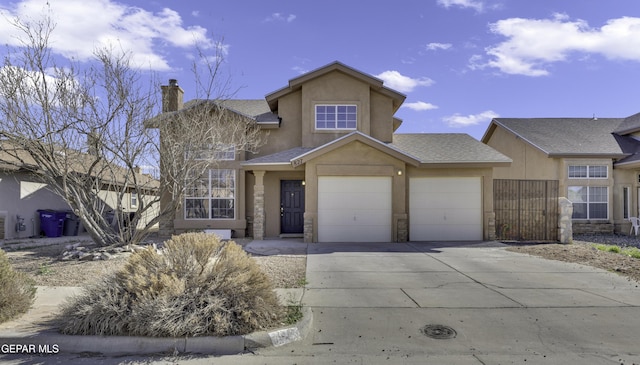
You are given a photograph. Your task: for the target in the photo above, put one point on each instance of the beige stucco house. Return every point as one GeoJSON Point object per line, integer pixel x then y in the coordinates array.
{"type": "Point", "coordinates": [334, 170]}
{"type": "Point", "coordinates": [595, 162]}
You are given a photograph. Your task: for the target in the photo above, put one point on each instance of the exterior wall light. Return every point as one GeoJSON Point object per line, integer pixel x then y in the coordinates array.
{"type": "Point", "coordinates": [399, 172]}
{"type": "Point", "coordinates": [304, 183]}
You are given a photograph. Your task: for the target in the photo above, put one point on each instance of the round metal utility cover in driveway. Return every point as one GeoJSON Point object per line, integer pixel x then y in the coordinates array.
{"type": "Point", "coordinates": [354, 209]}
{"type": "Point", "coordinates": [445, 209]}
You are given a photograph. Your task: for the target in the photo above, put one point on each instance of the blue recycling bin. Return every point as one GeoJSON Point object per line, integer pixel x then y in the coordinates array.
{"type": "Point", "coordinates": [52, 222]}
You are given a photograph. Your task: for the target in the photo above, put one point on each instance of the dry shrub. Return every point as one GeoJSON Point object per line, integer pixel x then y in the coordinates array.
{"type": "Point", "coordinates": [197, 286]}
{"type": "Point", "coordinates": [17, 290]}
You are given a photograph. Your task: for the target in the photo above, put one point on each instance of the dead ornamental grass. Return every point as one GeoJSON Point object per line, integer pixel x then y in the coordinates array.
{"type": "Point", "coordinates": [17, 290]}
{"type": "Point", "coordinates": [197, 286]}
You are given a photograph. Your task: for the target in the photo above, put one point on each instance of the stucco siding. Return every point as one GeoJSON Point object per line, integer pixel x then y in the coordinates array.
{"type": "Point", "coordinates": [21, 196]}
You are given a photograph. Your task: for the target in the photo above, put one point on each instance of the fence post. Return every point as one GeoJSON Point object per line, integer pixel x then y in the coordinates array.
{"type": "Point", "coordinates": [565, 229]}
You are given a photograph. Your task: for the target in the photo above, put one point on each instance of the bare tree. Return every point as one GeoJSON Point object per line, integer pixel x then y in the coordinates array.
{"type": "Point", "coordinates": [80, 128]}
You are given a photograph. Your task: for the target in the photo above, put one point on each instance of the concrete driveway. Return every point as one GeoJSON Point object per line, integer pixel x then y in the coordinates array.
{"type": "Point", "coordinates": [374, 302]}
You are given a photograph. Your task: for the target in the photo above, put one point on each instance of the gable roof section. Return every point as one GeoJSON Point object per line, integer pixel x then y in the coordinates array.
{"type": "Point", "coordinates": [296, 84]}
{"type": "Point", "coordinates": [564, 137]}
{"type": "Point", "coordinates": [300, 155]}
{"type": "Point", "coordinates": [629, 125]}
{"type": "Point", "coordinates": [448, 148]}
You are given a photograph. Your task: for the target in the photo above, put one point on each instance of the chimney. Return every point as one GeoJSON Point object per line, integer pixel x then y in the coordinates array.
{"type": "Point", "coordinates": [93, 143]}
{"type": "Point", "coordinates": [172, 96]}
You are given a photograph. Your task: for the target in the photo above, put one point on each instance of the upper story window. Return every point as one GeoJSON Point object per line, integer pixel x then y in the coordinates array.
{"type": "Point", "coordinates": [336, 116]}
{"type": "Point", "coordinates": [215, 152]}
{"type": "Point", "coordinates": [588, 172]}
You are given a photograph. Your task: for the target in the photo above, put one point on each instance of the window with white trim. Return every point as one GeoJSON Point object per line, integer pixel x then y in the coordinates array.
{"type": "Point", "coordinates": [211, 196]}
{"type": "Point", "coordinates": [626, 202]}
{"type": "Point", "coordinates": [589, 202]}
{"type": "Point", "coordinates": [133, 199]}
{"type": "Point", "coordinates": [336, 117]}
{"type": "Point", "coordinates": [588, 172]}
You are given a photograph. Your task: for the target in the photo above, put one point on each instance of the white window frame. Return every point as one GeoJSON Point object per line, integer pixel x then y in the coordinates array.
{"type": "Point", "coordinates": [210, 194]}
{"type": "Point", "coordinates": [336, 121]}
{"type": "Point", "coordinates": [588, 171]}
{"type": "Point", "coordinates": [133, 199]}
{"type": "Point", "coordinates": [626, 202]}
{"type": "Point", "coordinates": [589, 202]}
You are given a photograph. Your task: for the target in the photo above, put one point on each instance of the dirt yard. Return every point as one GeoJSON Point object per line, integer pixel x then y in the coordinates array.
{"type": "Point", "coordinates": [43, 264]}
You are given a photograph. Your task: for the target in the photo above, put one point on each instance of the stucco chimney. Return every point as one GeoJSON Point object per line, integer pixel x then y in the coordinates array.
{"type": "Point", "coordinates": [172, 96]}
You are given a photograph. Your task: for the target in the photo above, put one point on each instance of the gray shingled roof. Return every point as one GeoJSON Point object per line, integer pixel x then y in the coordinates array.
{"type": "Point", "coordinates": [629, 124]}
{"type": "Point", "coordinates": [257, 109]}
{"type": "Point", "coordinates": [281, 157]}
{"type": "Point", "coordinates": [567, 136]}
{"type": "Point", "coordinates": [447, 148]}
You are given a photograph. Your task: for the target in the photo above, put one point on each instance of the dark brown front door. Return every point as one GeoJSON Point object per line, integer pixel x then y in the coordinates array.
{"type": "Point", "coordinates": [291, 206]}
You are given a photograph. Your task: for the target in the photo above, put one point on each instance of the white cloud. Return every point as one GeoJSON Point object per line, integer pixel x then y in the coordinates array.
{"type": "Point", "coordinates": [81, 26]}
{"type": "Point", "coordinates": [420, 106]}
{"type": "Point", "coordinates": [438, 46]}
{"type": "Point", "coordinates": [473, 4]}
{"type": "Point", "coordinates": [458, 120]}
{"type": "Point", "coordinates": [405, 84]}
{"type": "Point", "coordinates": [279, 17]}
{"type": "Point", "coordinates": [534, 44]}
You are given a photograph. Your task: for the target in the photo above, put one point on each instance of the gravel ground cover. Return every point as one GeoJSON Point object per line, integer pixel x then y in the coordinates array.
{"type": "Point", "coordinates": [44, 265]}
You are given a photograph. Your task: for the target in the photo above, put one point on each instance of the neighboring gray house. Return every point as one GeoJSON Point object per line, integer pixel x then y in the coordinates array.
{"type": "Point", "coordinates": [22, 195]}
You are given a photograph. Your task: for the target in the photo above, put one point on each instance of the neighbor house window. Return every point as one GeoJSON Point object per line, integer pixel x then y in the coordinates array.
{"type": "Point", "coordinates": [134, 199]}
{"type": "Point", "coordinates": [336, 116]}
{"type": "Point", "coordinates": [589, 202]}
{"type": "Point", "coordinates": [626, 202]}
{"type": "Point", "coordinates": [215, 152]}
{"type": "Point", "coordinates": [588, 172]}
{"type": "Point", "coordinates": [211, 196]}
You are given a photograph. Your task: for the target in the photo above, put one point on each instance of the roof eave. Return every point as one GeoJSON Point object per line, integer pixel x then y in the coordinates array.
{"type": "Point", "coordinates": [465, 164]}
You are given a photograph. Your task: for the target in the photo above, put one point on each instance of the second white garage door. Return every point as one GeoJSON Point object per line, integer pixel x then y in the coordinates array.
{"type": "Point", "coordinates": [445, 209]}
{"type": "Point", "coordinates": [354, 209]}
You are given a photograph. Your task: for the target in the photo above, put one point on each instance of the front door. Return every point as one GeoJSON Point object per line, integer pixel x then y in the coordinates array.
{"type": "Point", "coordinates": [291, 206]}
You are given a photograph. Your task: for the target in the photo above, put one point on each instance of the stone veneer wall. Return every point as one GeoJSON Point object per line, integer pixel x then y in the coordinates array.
{"type": "Point", "coordinates": [565, 225]}
{"type": "Point", "coordinates": [491, 226]}
{"type": "Point", "coordinates": [593, 228]}
{"type": "Point", "coordinates": [403, 230]}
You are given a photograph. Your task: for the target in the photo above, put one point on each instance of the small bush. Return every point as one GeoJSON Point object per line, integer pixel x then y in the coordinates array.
{"type": "Point", "coordinates": [17, 290]}
{"type": "Point", "coordinates": [197, 286]}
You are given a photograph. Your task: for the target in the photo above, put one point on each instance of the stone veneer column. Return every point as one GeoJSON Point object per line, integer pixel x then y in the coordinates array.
{"type": "Point", "coordinates": [258, 206]}
{"type": "Point", "coordinates": [565, 225]}
{"type": "Point", "coordinates": [308, 227]}
{"type": "Point", "coordinates": [491, 226]}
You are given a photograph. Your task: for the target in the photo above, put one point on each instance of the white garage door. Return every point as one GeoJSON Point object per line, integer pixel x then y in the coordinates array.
{"type": "Point", "coordinates": [445, 209]}
{"type": "Point", "coordinates": [354, 209]}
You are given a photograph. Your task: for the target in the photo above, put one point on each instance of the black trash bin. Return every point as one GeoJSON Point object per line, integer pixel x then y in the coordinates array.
{"type": "Point", "coordinates": [71, 224]}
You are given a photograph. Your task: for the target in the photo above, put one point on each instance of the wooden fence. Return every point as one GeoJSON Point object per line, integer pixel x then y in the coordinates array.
{"type": "Point", "coordinates": [526, 210]}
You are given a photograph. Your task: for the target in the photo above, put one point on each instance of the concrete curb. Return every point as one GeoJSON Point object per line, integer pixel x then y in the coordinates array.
{"type": "Point", "coordinates": [49, 342]}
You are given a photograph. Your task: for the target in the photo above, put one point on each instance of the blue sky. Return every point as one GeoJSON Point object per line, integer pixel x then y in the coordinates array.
{"type": "Point", "coordinates": [460, 62]}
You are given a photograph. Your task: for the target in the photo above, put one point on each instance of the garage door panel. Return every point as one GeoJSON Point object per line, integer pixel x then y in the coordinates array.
{"type": "Point", "coordinates": [354, 209]}
{"type": "Point", "coordinates": [445, 209]}
{"type": "Point", "coordinates": [361, 201]}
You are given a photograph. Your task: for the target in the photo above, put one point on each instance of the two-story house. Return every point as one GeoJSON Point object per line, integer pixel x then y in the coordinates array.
{"type": "Point", "coordinates": [594, 162]}
{"type": "Point", "coordinates": [333, 170]}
